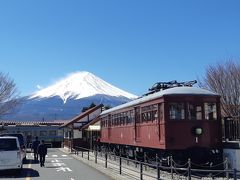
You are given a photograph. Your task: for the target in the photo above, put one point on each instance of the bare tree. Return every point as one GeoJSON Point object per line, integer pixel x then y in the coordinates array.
{"type": "Point", "coordinates": [8, 94]}
{"type": "Point", "coordinates": [224, 79]}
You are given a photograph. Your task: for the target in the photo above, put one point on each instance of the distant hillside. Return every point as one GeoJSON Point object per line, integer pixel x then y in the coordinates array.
{"type": "Point", "coordinates": [66, 98]}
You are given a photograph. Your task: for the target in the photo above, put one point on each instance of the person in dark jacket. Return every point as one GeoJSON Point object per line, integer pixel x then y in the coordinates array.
{"type": "Point", "coordinates": [35, 148]}
{"type": "Point", "coordinates": [42, 151]}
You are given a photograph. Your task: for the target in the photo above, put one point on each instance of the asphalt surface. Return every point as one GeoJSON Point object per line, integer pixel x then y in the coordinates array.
{"type": "Point", "coordinates": [58, 166]}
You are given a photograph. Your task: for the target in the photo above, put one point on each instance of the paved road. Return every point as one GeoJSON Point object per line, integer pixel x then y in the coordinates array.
{"type": "Point", "coordinates": [58, 166]}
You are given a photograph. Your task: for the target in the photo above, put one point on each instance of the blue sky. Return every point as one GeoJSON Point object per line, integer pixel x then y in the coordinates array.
{"type": "Point", "coordinates": [129, 43]}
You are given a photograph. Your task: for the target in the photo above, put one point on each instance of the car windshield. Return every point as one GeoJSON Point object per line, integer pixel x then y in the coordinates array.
{"type": "Point", "coordinates": [19, 136]}
{"type": "Point", "coordinates": [8, 145]}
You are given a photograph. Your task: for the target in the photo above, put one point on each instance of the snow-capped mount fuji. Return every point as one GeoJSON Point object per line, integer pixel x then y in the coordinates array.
{"type": "Point", "coordinates": [65, 99]}
{"type": "Point", "coordinates": [81, 85]}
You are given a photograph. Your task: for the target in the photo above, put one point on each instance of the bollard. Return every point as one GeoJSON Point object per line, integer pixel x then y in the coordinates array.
{"type": "Point", "coordinates": [88, 155]}
{"type": "Point", "coordinates": [82, 153]}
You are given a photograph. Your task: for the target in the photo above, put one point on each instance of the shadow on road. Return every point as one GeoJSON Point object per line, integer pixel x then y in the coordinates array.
{"type": "Point", "coordinates": [31, 161]}
{"type": "Point", "coordinates": [26, 172]}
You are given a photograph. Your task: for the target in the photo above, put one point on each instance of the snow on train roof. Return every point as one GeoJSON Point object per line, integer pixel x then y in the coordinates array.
{"type": "Point", "coordinates": [170, 91]}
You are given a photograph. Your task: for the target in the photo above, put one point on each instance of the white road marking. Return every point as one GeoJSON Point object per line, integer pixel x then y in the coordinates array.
{"type": "Point", "coordinates": [54, 155]}
{"type": "Point", "coordinates": [64, 169]}
{"type": "Point", "coordinates": [59, 158]}
{"type": "Point", "coordinates": [59, 164]}
{"type": "Point", "coordinates": [64, 155]}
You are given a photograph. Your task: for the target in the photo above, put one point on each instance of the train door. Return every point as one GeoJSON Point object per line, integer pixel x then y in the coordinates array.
{"type": "Point", "coordinates": [137, 123]}
{"type": "Point", "coordinates": [109, 126]}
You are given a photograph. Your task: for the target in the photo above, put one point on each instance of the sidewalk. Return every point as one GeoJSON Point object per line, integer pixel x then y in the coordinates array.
{"type": "Point", "coordinates": [112, 170]}
{"type": "Point", "coordinates": [130, 171]}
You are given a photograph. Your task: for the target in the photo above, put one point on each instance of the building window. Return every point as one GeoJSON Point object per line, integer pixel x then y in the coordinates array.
{"type": "Point", "coordinates": [176, 111]}
{"type": "Point", "coordinates": [210, 111]}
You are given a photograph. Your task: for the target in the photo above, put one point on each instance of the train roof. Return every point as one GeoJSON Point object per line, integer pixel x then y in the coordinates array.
{"type": "Point", "coordinates": [170, 91]}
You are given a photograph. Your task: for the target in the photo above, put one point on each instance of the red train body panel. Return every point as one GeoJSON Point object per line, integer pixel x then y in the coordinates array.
{"type": "Point", "coordinates": [174, 119]}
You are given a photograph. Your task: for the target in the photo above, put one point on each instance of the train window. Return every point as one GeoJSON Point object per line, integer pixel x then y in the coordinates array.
{"type": "Point", "coordinates": [137, 114]}
{"type": "Point", "coordinates": [131, 116]}
{"type": "Point", "coordinates": [160, 109]}
{"type": "Point", "coordinates": [144, 117]}
{"type": "Point", "coordinates": [210, 111]}
{"type": "Point", "coordinates": [154, 115]}
{"type": "Point", "coordinates": [43, 133]}
{"type": "Point", "coordinates": [176, 111]}
{"type": "Point", "coordinates": [52, 133]}
{"type": "Point", "coordinates": [122, 119]}
{"type": "Point", "coordinates": [149, 113]}
{"type": "Point", "coordinates": [194, 111]}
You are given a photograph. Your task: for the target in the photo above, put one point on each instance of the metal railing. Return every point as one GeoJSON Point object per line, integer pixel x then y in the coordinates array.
{"type": "Point", "coordinates": [157, 167]}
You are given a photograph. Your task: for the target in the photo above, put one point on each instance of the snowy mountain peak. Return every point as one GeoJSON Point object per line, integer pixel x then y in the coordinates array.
{"type": "Point", "coordinates": [80, 85]}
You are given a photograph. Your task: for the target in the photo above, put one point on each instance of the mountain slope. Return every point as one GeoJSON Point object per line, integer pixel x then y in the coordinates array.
{"type": "Point", "coordinates": [66, 98]}
{"type": "Point", "coordinates": [80, 85]}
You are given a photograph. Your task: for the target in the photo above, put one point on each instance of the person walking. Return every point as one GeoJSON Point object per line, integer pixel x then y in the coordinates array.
{"type": "Point", "coordinates": [35, 148]}
{"type": "Point", "coordinates": [42, 151]}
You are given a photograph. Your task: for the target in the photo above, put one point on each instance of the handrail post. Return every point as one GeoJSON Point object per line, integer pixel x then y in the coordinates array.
{"type": "Point", "coordinates": [156, 158]}
{"type": "Point", "coordinates": [235, 174]}
{"type": "Point", "coordinates": [114, 151]}
{"type": "Point", "coordinates": [141, 171]}
{"type": "Point", "coordinates": [145, 160]}
{"type": "Point", "coordinates": [226, 168]}
{"type": "Point", "coordinates": [189, 169]}
{"type": "Point", "coordinates": [106, 156]}
{"type": "Point", "coordinates": [135, 154]}
{"type": "Point", "coordinates": [158, 172]}
{"type": "Point", "coordinates": [171, 165]}
{"type": "Point", "coordinates": [120, 162]}
{"type": "Point", "coordinates": [96, 152]}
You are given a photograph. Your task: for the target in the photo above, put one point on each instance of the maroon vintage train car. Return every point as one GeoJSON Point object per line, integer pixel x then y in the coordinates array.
{"type": "Point", "coordinates": [183, 122]}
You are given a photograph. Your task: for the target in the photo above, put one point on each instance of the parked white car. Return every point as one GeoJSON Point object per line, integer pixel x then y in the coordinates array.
{"type": "Point", "coordinates": [21, 140]}
{"type": "Point", "coordinates": [11, 155]}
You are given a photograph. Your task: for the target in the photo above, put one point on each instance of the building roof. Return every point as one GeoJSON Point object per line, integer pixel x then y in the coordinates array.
{"type": "Point", "coordinates": [31, 123]}
{"type": "Point", "coordinates": [81, 116]}
{"type": "Point", "coordinates": [90, 123]}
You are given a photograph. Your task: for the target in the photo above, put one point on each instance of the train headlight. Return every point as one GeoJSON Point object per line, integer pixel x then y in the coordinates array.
{"type": "Point", "coordinates": [197, 131]}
